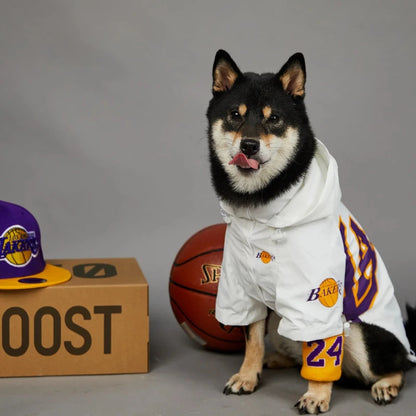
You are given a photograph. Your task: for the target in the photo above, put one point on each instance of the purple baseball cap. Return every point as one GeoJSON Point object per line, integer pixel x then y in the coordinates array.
{"type": "Point", "coordinates": [22, 265]}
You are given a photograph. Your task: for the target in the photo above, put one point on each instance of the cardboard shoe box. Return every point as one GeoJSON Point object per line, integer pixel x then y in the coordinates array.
{"type": "Point", "coordinates": [96, 323]}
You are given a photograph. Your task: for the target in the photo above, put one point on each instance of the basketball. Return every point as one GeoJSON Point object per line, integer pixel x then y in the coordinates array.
{"type": "Point", "coordinates": [193, 288]}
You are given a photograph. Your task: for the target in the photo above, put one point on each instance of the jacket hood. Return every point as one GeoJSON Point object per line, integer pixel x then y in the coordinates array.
{"type": "Point", "coordinates": [314, 197]}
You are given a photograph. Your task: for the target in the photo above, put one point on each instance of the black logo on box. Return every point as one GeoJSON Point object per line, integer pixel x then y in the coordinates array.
{"type": "Point", "coordinates": [94, 270]}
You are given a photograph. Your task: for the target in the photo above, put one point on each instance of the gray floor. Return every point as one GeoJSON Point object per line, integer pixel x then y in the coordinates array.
{"type": "Point", "coordinates": [184, 380]}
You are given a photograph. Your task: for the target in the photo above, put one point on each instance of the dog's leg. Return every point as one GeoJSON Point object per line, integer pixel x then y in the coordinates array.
{"type": "Point", "coordinates": [246, 380]}
{"type": "Point", "coordinates": [375, 357]}
{"type": "Point", "coordinates": [287, 353]}
{"type": "Point", "coordinates": [316, 399]}
{"type": "Point", "coordinates": [322, 361]}
{"type": "Point", "coordinates": [277, 360]}
{"type": "Point", "coordinates": [385, 390]}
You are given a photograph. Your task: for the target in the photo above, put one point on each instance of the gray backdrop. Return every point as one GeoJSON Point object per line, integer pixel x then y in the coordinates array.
{"type": "Point", "coordinates": [102, 116]}
{"type": "Point", "coordinates": [102, 119]}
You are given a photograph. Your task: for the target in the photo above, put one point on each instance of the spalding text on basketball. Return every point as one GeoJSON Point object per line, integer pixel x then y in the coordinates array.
{"type": "Point", "coordinates": [211, 273]}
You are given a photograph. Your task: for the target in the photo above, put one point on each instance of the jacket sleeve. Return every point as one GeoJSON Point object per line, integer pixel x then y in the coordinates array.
{"type": "Point", "coordinates": [309, 296]}
{"type": "Point", "coordinates": [234, 304]}
{"type": "Point", "coordinates": [322, 359]}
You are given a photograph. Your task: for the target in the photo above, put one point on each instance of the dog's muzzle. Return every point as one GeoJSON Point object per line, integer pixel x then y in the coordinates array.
{"type": "Point", "coordinates": [248, 147]}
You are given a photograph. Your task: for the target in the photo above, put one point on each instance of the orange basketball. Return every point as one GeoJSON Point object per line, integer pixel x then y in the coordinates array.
{"type": "Point", "coordinates": [193, 289]}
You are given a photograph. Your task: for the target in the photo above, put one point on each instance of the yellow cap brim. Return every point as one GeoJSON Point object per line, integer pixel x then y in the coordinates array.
{"type": "Point", "coordinates": [51, 275]}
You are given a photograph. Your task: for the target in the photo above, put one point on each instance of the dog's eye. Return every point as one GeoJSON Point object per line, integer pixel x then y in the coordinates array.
{"type": "Point", "coordinates": [235, 115]}
{"type": "Point", "coordinates": [274, 118]}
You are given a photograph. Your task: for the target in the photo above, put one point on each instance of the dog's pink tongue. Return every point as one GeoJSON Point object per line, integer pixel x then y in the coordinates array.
{"type": "Point", "coordinates": [241, 160]}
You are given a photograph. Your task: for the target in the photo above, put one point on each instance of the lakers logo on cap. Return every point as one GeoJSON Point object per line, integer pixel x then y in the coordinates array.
{"type": "Point", "coordinates": [18, 246]}
{"type": "Point", "coordinates": [327, 293]}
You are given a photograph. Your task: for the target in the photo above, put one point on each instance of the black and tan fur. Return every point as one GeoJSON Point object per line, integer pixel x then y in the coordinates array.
{"type": "Point", "coordinates": [264, 117]}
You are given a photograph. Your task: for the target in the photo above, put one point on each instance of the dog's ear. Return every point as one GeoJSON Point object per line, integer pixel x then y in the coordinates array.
{"type": "Point", "coordinates": [225, 72]}
{"type": "Point", "coordinates": [293, 76]}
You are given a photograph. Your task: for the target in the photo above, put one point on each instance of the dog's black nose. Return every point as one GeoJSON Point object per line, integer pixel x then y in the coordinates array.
{"type": "Point", "coordinates": [249, 146]}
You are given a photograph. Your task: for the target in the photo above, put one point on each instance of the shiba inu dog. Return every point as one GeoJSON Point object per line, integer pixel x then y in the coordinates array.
{"type": "Point", "coordinates": [292, 247]}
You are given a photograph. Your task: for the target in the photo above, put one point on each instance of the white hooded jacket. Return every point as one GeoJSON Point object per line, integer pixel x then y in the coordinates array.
{"type": "Point", "coordinates": [297, 255]}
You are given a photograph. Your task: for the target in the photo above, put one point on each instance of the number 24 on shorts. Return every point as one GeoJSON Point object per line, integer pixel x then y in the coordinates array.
{"type": "Point", "coordinates": [322, 359]}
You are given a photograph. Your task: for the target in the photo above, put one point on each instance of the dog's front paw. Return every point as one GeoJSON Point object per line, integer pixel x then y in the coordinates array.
{"type": "Point", "coordinates": [242, 384]}
{"type": "Point", "coordinates": [312, 404]}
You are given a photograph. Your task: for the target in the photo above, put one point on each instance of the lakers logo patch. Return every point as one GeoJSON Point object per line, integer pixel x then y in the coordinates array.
{"type": "Point", "coordinates": [18, 246]}
{"type": "Point", "coordinates": [327, 293]}
{"type": "Point", "coordinates": [265, 257]}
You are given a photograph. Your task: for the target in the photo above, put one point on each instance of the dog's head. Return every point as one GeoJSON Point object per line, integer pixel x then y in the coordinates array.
{"type": "Point", "coordinates": [258, 129]}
